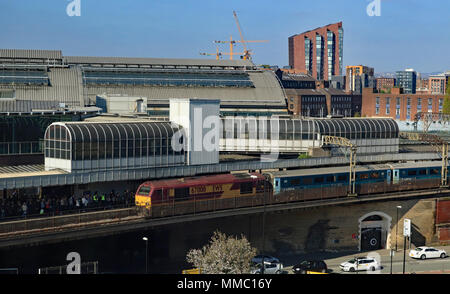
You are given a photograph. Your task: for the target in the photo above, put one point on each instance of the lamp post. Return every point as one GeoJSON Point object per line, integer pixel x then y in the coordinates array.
{"type": "Point", "coordinates": [263, 226]}
{"type": "Point", "coordinates": [396, 228]}
{"type": "Point", "coordinates": [146, 254]}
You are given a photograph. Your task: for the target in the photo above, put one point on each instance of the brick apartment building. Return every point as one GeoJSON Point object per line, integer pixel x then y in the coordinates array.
{"type": "Point", "coordinates": [398, 105]}
{"type": "Point", "coordinates": [318, 52]}
{"type": "Point", "coordinates": [385, 84]}
{"type": "Point", "coordinates": [322, 102]}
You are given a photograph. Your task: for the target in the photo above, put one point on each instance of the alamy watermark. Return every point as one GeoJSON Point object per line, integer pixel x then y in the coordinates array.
{"type": "Point", "coordinates": [74, 267]}
{"type": "Point", "coordinates": [238, 133]}
{"type": "Point", "coordinates": [374, 8]}
{"type": "Point", "coordinates": [74, 8]}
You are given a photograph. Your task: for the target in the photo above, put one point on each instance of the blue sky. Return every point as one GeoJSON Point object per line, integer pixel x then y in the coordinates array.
{"type": "Point", "coordinates": [407, 34]}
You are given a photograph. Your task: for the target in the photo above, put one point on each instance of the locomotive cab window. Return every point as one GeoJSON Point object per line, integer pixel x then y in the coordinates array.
{"type": "Point", "coordinates": [144, 191]}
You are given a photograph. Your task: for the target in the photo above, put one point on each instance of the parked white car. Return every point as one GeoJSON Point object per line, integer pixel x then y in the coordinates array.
{"type": "Point", "coordinates": [360, 264]}
{"type": "Point", "coordinates": [427, 252]}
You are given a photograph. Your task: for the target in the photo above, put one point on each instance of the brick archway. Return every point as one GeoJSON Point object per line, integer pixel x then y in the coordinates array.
{"type": "Point", "coordinates": [376, 220]}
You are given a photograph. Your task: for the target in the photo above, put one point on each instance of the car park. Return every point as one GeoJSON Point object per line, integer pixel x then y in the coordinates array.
{"type": "Point", "coordinates": [310, 266]}
{"type": "Point", "coordinates": [424, 252]}
{"type": "Point", "coordinates": [360, 264]}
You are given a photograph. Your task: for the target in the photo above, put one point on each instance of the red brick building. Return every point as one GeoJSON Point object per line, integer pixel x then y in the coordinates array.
{"type": "Point", "coordinates": [385, 84]}
{"type": "Point", "coordinates": [399, 106]}
{"type": "Point", "coordinates": [318, 52]}
{"type": "Point", "coordinates": [322, 102]}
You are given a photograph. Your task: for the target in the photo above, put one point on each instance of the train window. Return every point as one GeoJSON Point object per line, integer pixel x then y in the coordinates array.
{"type": "Point", "coordinates": [181, 193]}
{"type": "Point", "coordinates": [295, 182]}
{"type": "Point", "coordinates": [342, 178]}
{"type": "Point", "coordinates": [318, 180]}
{"type": "Point", "coordinates": [422, 172]}
{"type": "Point", "coordinates": [144, 191]}
{"type": "Point", "coordinates": [363, 176]}
{"type": "Point", "coordinates": [412, 172]}
{"type": "Point", "coordinates": [330, 179]}
{"type": "Point", "coordinates": [247, 188]}
{"type": "Point", "coordinates": [434, 171]}
{"type": "Point", "coordinates": [375, 175]}
{"type": "Point", "coordinates": [307, 181]}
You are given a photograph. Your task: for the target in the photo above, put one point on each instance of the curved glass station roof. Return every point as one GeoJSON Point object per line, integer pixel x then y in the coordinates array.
{"type": "Point", "coordinates": [94, 141]}
{"type": "Point", "coordinates": [306, 129]}
{"type": "Point", "coordinates": [359, 128]}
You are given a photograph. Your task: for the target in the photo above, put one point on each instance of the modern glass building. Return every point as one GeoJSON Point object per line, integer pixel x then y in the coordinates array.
{"type": "Point", "coordinates": [330, 53]}
{"type": "Point", "coordinates": [319, 56]}
{"type": "Point", "coordinates": [307, 51]}
{"type": "Point", "coordinates": [406, 79]}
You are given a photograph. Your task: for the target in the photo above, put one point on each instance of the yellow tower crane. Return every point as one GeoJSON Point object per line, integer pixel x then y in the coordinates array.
{"type": "Point", "coordinates": [219, 54]}
{"type": "Point", "coordinates": [247, 53]}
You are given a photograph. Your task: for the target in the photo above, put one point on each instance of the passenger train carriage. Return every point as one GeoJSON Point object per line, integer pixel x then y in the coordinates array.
{"type": "Point", "coordinates": [333, 182]}
{"type": "Point", "coordinates": [223, 191]}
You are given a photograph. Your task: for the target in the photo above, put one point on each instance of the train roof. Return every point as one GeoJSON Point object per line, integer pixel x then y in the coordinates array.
{"type": "Point", "coordinates": [359, 168]}
{"type": "Point", "coordinates": [204, 180]}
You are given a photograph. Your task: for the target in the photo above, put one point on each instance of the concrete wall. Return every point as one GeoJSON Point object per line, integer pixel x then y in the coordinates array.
{"type": "Point", "coordinates": [332, 228]}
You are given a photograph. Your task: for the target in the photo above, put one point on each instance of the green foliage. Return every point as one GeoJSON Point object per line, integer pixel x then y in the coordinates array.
{"type": "Point", "coordinates": [446, 106]}
{"type": "Point", "coordinates": [303, 156]}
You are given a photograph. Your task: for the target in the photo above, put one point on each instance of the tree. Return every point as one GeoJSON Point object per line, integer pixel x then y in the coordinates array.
{"type": "Point", "coordinates": [223, 255]}
{"type": "Point", "coordinates": [446, 106]}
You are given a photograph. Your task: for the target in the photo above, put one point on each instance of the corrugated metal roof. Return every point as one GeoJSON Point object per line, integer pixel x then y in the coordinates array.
{"type": "Point", "coordinates": [155, 61]}
{"type": "Point", "coordinates": [21, 106]}
{"type": "Point", "coordinates": [267, 91]}
{"type": "Point", "coordinates": [65, 87]}
{"type": "Point", "coordinates": [66, 83]}
{"type": "Point", "coordinates": [29, 53]}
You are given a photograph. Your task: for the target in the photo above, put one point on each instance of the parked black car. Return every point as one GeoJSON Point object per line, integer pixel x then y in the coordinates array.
{"type": "Point", "coordinates": [310, 265]}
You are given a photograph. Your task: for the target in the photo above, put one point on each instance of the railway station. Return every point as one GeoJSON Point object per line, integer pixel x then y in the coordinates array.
{"type": "Point", "coordinates": [106, 127]}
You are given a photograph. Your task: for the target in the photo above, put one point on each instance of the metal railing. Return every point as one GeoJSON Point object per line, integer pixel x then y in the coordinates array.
{"type": "Point", "coordinates": [90, 267]}
{"type": "Point", "coordinates": [28, 147]}
{"type": "Point", "coordinates": [60, 222]}
{"type": "Point", "coordinates": [61, 212]}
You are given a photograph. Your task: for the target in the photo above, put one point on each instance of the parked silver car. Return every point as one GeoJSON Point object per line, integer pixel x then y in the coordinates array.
{"type": "Point", "coordinates": [269, 268]}
{"type": "Point", "coordinates": [267, 258]}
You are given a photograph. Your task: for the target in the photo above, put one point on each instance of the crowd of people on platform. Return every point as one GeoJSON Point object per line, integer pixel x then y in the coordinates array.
{"type": "Point", "coordinates": [26, 205]}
